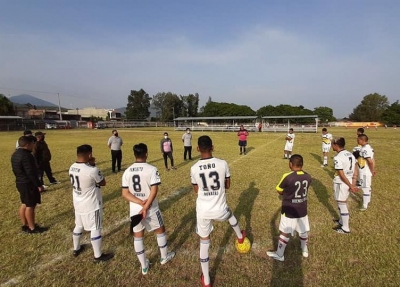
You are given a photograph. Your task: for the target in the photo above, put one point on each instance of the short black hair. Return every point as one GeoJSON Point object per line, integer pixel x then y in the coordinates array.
{"type": "Point", "coordinates": [24, 140]}
{"type": "Point", "coordinates": [341, 142]}
{"type": "Point", "coordinates": [204, 143]}
{"type": "Point", "coordinates": [296, 160]}
{"type": "Point", "coordinates": [360, 130]}
{"type": "Point", "coordinates": [291, 129]}
{"type": "Point", "coordinates": [364, 137]}
{"type": "Point", "coordinates": [165, 133]}
{"type": "Point", "coordinates": [140, 150]}
{"type": "Point", "coordinates": [324, 130]}
{"type": "Point", "coordinates": [84, 149]}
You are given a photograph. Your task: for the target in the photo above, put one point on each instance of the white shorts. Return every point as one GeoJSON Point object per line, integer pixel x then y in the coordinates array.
{"type": "Point", "coordinates": [326, 148]}
{"type": "Point", "coordinates": [151, 222]}
{"type": "Point", "coordinates": [89, 221]}
{"type": "Point", "coordinates": [340, 191]}
{"type": "Point", "coordinates": [365, 180]}
{"type": "Point", "coordinates": [290, 225]}
{"type": "Point", "coordinates": [289, 146]}
{"type": "Point", "coordinates": [205, 227]}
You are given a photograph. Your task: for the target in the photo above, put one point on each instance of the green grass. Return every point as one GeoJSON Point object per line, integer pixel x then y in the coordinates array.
{"type": "Point", "coordinates": [367, 257]}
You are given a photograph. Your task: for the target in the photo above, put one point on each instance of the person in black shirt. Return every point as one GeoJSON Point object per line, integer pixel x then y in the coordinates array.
{"type": "Point", "coordinates": [293, 189]}
{"type": "Point", "coordinates": [27, 183]}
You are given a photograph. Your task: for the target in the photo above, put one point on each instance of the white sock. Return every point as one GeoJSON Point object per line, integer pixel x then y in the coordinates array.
{"type": "Point", "coordinates": [235, 225]}
{"type": "Point", "coordinates": [366, 196]}
{"type": "Point", "coordinates": [344, 216]}
{"type": "Point", "coordinates": [162, 244]}
{"type": "Point", "coordinates": [205, 260]}
{"type": "Point", "coordinates": [325, 160]}
{"type": "Point", "coordinates": [139, 249]}
{"type": "Point", "coordinates": [304, 241]}
{"type": "Point", "coordinates": [95, 237]}
{"type": "Point", "coordinates": [283, 241]}
{"type": "Point", "coordinates": [76, 237]}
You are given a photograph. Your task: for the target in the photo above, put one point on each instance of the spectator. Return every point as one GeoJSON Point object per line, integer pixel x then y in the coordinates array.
{"type": "Point", "coordinates": [42, 155]}
{"type": "Point", "coordinates": [187, 144]}
{"type": "Point", "coordinates": [26, 133]}
{"type": "Point", "coordinates": [166, 151]}
{"type": "Point", "coordinates": [114, 144]}
{"type": "Point", "coordinates": [27, 183]}
{"type": "Point", "coordinates": [242, 134]}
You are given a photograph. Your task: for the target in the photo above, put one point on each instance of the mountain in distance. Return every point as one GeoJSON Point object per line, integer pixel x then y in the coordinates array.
{"type": "Point", "coordinates": [25, 99]}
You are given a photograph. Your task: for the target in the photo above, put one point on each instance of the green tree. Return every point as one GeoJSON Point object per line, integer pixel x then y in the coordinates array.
{"type": "Point", "coordinates": [391, 115]}
{"type": "Point", "coordinates": [6, 106]}
{"type": "Point", "coordinates": [190, 105]}
{"type": "Point", "coordinates": [371, 108]}
{"type": "Point", "coordinates": [168, 106]}
{"type": "Point", "coordinates": [138, 105]}
{"type": "Point", "coordinates": [324, 114]}
{"type": "Point", "coordinates": [215, 109]}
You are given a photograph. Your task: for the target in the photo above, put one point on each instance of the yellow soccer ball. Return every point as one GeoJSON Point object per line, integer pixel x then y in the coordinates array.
{"type": "Point", "coordinates": [243, 247]}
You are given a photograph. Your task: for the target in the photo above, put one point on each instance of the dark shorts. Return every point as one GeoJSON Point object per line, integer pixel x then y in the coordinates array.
{"type": "Point", "coordinates": [29, 195]}
{"type": "Point", "coordinates": [242, 143]}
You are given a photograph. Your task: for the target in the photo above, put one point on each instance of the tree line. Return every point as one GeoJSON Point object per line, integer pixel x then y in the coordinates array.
{"type": "Point", "coordinates": [373, 107]}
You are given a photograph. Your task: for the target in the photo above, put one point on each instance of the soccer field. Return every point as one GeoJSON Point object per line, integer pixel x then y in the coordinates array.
{"type": "Point", "coordinates": [369, 256]}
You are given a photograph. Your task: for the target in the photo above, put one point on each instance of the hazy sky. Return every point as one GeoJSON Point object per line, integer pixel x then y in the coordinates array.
{"type": "Point", "coordinates": [255, 53]}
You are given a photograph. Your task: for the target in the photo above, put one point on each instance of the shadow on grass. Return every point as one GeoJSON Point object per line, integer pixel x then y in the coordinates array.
{"type": "Point", "coordinates": [329, 171]}
{"type": "Point", "coordinates": [191, 162]}
{"type": "Point", "coordinates": [244, 208]}
{"type": "Point", "coordinates": [289, 272]}
{"type": "Point", "coordinates": [323, 196]}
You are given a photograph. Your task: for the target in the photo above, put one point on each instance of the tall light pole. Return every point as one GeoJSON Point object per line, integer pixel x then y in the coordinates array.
{"type": "Point", "coordinates": [59, 106]}
{"type": "Point", "coordinates": [173, 115]}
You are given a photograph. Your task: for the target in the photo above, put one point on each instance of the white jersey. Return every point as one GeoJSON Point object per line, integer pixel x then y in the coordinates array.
{"type": "Point", "coordinates": [365, 152]}
{"type": "Point", "coordinates": [86, 192]}
{"type": "Point", "coordinates": [292, 136]}
{"type": "Point", "coordinates": [326, 140]}
{"type": "Point", "coordinates": [345, 161]}
{"type": "Point", "coordinates": [139, 178]}
{"type": "Point", "coordinates": [209, 175]}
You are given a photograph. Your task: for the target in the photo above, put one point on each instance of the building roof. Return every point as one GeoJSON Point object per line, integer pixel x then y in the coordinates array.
{"type": "Point", "coordinates": [11, 117]}
{"type": "Point", "coordinates": [216, 118]}
{"type": "Point", "coordinates": [290, 117]}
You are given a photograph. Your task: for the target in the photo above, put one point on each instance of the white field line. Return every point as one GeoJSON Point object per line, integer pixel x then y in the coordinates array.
{"type": "Point", "coordinates": [187, 253]}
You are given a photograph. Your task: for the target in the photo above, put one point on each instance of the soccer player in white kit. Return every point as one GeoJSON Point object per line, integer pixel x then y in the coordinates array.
{"type": "Point", "coordinates": [366, 169]}
{"type": "Point", "coordinates": [210, 178]}
{"type": "Point", "coordinates": [326, 146]}
{"type": "Point", "coordinates": [287, 153]}
{"type": "Point", "coordinates": [344, 181]}
{"type": "Point", "coordinates": [140, 184]}
{"type": "Point", "coordinates": [86, 180]}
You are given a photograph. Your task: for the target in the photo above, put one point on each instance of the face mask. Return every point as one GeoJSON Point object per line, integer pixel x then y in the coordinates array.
{"type": "Point", "coordinates": [165, 137]}
{"type": "Point", "coordinates": [188, 132]}
{"type": "Point", "coordinates": [116, 134]}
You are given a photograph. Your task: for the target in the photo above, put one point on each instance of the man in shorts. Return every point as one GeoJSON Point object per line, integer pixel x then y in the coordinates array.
{"type": "Point", "coordinates": [293, 189]}
{"type": "Point", "coordinates": [27, 183]}
{"type": "Point", "coordinates": [210, 178]}
{"type": "Point", "coordinates": [140, 184]}
{"type": "Point", "coordinates": [242, 134]}
{"type": "Point", "coordinates": [287, 153]}
{"type": "Point", "coordinates": [86, 180]}
{"type": "Point", "coordinates": [326, 146]}
{"type": "Point", "coordinates": [366, 169]}
{"type": "Point", "coordinates": [344, 181]}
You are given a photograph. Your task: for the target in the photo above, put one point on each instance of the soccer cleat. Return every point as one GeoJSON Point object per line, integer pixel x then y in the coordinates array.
{"type": "Point", "coordinates": [79, 251]}
{"type": "Point", "coordinates": [275, 256]}
{"type": "Point", "coordinates": [304, 252]}
{"type": "Point", "coordinates": [324, 165]}
{"type": "Point", "coordinates": [240, 240]}
{"type": "Point", "coordinates": [339, 229]}
{"type": "Point", "coordinates": [240, 153]}
{"type": "Point", "coordinates": [202, 282]}
{"type": "Point", "coordinates": [167, 169]}
{"type": "Point", "coordinates": [103, 257]}
{"type": "Point", "coordinates": [146, 269]}
{"type": "Point", "coordinates": [45, 187]}
{"type": "Point", "coordinates": [170, 255]}
{"type": "Point", "coordinates": [337, 222]}
{"type": "Point", "coordinates": [363, 208]}
{"type": "Point", "coordinates": [55, 182]}
{"type": "Point", "coordinates": [173, 167]}
{"type": "Point", "coordinates": [36, 230]}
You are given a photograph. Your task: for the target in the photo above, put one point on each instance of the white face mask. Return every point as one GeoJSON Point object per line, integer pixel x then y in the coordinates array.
{"type": "Point", "coordinates": [165, 137]}
{"type": "Point", "coordinates": [188, 132]}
